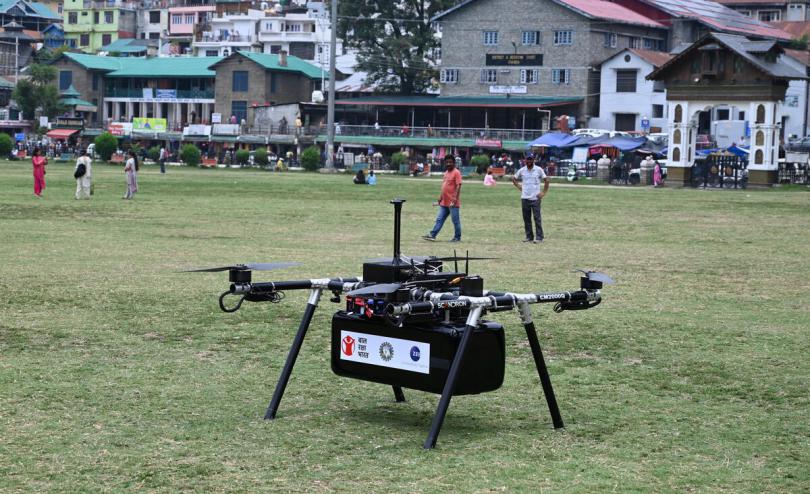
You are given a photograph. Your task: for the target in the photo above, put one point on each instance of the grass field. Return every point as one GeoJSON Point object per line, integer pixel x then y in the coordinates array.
{"type": "Point", "coordinates": [117, 373]}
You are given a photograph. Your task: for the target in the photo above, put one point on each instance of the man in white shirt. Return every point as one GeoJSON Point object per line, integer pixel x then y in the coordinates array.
{"type": "Point", "coordinates": [83, 182]}
{"type": "Point", "coordinates": [527, 180]}
{"type": "Point", "coordinates": [162, 159]}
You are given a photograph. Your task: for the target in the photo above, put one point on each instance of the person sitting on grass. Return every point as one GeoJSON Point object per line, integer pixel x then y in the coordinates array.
{"type": "Point", "coordinates": [489, 180]}
{"type": "Point", "coordinates": [360, 178]}
{"type": "Point", "coordinates": [372, 179]}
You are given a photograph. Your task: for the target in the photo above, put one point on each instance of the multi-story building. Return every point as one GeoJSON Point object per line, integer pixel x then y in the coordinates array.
{"type": "Point", "coordinates": [91, 24]}
{"type": "Point", "coordinates": [303, 33]}
{"type": "Point", "coordinates": [34, 16]}
{"type": "Point", "coordinates": [184, 22]}
{"type": "Point", "coordinates": [771, 10]}
{"type": "Point", "coordinates": [228, 32]}
{"type": "Point", "coordinates": [153, 19]}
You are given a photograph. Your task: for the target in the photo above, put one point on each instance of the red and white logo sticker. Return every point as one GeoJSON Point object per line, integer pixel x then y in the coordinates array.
{"type": "Point", "coordinates": [348, 345]}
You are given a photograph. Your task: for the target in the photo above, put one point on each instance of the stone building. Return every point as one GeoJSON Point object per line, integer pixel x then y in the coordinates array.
{"type": "Point", "coordinates": [771, 10]}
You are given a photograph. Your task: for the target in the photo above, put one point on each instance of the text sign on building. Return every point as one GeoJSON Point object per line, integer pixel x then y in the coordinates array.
{"type": "Point", "coordinates": [140, 124]}
{"type": "Point", "coordinates": [488, 143]}
{"type": "Point", "coordinates": [120, 128]}
{"type": "Point", "coordinates": [166, 94]}
{"type": "Point", "coordinates": [516, 59]}
{"type": "Point", "coordinates": [507, 89]}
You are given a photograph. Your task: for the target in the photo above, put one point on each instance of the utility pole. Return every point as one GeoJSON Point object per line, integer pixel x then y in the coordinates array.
{"type": "Point", "coordinates": [330, 112]}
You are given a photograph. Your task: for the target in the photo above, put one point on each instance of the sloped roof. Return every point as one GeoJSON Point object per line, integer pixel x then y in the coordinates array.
{"type": "Point", "coordinates": [592, 9]}
{"type": "Point", "coordinates": [147, 67]}
{"type": "Point", "coordinates": [737, 44]}
{"type": "Point", "coordinates": [294, 64]}
{"type": "Point", "coordinates": [654, 58]}
{"type": "Point", "coordinates": [125, 46]}
{"type": "Point", "coordinates": [43, 11]}
{"type": "Point", "coordinates": [94, 62]}
{"type": "Point", "coordinates": [460, 101]}
{"type": "Point", "coordinates": [70, 92]}
{"type": "Point", "coordinates": [718, 17]}
{"type": "Point", "coordinates": [796, 29]}
{"type": "Point", "coordinates": [802, 56]}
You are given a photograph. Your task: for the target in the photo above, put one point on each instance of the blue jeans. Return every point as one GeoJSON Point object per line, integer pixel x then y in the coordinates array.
{"type": "Point", "coordinates": [444, 212]}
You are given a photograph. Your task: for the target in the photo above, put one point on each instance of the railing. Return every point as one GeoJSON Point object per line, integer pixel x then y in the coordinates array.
{"type": "Point", "coordinates": [793, 173]}
{"type": "Point", "coordinates": [210, 37]}
{"type": "Point", "coordinates": [138, 93]}
{"type": "Point", "coordinates": [720, 172]}
{"type": "Point", "coordinates": [109, 4]}
{"type": "Point", "coordinates": [439, 132]}
{"type": "Point", "coordinates": [563, 168]}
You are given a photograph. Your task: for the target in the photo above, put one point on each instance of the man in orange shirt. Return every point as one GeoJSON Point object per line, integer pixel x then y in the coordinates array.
{"type": "Point", "coordinates": [449, 201]}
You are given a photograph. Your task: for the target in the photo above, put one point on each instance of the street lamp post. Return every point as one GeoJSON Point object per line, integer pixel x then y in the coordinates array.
{"type": "Point", "coordinates": [330, 113]}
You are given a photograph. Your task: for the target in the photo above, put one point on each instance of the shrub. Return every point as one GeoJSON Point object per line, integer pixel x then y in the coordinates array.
{"type": "Point", "coordinates": [480, 162]}
{"type": "Point", "coordinates": [6, 144]}
{"type": "Point", "coordinates": [260, 157]}
{"type": "Point", "coordinates": [242, 157]}
{"type": "Point", "coordinates": [153, 153]}
{"type": "Point", "coordinates": [311, 158]}
{"type": "Point", "coordinates": [190, 154]}
{"type": "Point", "coordinates": [106, 144]}
{"type": "Point", "coordinates": [398, 159]}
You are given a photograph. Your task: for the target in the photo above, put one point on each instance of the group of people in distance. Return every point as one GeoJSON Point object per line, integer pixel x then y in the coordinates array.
{"type": "Point", "coordinates": [83, 173]}
{"type": "Point", "coordinates": [527, 180]}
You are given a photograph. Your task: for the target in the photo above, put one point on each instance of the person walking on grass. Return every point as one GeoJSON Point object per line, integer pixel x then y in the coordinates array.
{"type": "Point", "coordinates": [527, 181]}
{"type": "Point", "coordinates": [131, 170]}
{"type": "Point", "coordinates": [83, 172]}
{"type": "Point", "coordinates": [449, 201]}
{"type": "Point", "coordinates": [162, 159]}
{"type": "Point", "coordinates": [39, 162]}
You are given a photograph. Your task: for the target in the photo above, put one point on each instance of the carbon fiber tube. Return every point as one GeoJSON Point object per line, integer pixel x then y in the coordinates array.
{"type": "Point", "coordinates": [499, 301]}
{"type": "Point", "coordinates": [278, 286]}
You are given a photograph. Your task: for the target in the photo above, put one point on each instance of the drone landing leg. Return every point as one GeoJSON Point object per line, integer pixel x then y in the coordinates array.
{"type": "Point", "coordinates": [540, 363]}
{"type": "Point", "coordinates": [309, 311]}
{"type": "Point", "coordinates": [398, 394]}
{"type": "Point", "coordinates": [452, 377]}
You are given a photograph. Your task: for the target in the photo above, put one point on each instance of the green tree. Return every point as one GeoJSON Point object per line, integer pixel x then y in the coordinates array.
{"type": "Point", "coordinates": [398, 159]}
{"type": "Point", "coordinates": [480, 162]}
{"type": "Point", "coordinates": [260, 157]}
{"type": "Point", "coordinates": [190, 154]}
{"type": "Point", "coordinates": [396, 42]}
{"type": "Point", "coordinates": [6, 144]}
{"type": "Point", "coordinates": [38, 92]}
{"type": "Point", "coordinates": [106, 144]}
{"type": "Point", "coordinates": [311, 158]}
{"type": "Point", "coordinates": [153, 153]}
{"type": "Point", "coordinates": [242, 157]}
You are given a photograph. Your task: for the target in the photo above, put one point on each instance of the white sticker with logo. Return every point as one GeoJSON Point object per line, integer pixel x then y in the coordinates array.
{"type": "Point", "coordinates": [371, 349]}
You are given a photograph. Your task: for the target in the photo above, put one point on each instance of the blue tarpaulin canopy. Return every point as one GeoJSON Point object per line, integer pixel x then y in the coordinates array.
{"type": "Point", "coordinates": [736, 150]}
{"type": "Point", "coordinates": [552, 139]}
{"type": "Point", "coordinates": [561, 140]}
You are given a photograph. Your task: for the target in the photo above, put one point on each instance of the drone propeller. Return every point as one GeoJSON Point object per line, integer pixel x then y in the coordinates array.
{"type": "Point", "coordinates": [596, 276]}
{"type": "Point", "coordinates": [256, 266]}
{"type": "Point", "coordinates": [403, 259]}
{"type": "Point", "coordinates": [379, 289]}
{"type": "Point", "coordinates": [464, 258]}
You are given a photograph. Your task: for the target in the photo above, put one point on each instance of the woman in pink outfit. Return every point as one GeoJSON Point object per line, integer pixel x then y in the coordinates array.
{"type": "Point", "coordinates": [39, 163]}
{"type": "Point", "coordinates": [131, 171]}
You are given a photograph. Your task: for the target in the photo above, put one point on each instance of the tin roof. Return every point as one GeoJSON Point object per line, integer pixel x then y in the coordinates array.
{"type": "Point", "coordinates": [147, 67]}
{"type": "Point", "coordinates": [599, 9]}
{"type": "Point", "coordinates": [294, 64]}
{"type": "Point", "coordinates": [462, 101]}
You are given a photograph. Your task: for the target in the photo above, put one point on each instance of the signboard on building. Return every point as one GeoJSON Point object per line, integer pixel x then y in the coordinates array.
{"type": "Point", "coordinates": [43, 121]}
{"type": "Point", "coordinates": [141, 124]}
{"type": "Point", "coordinates": [69, 123]}
{"type": "Point", "coordinates": [226, 129]}
{"type": "Point", "coordinates": [645, 124]}
{"type": "Point", "coordinates": [515, 59]}
{"type": "Point", "coordinates": [507, 90]}
{"type": "Point", "coordinates": [216, 118]}
{"type": "Point", "coordinates": [197, 130]}
{"type": "Point", "coordinates": [166, 94]}
{"type": "Point", "coordinates": [19, 137]}
{"type": "Point", "coordinates": [147, 93]}
{"type": "Point", "coordinates": [120, 128]}
{"type": "Point", "coordinates": [481, 142]}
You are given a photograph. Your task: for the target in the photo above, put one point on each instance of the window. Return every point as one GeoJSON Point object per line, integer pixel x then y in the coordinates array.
{"type": "Point", "coordinates": [490, 38]}
{"type": "Point", "coordinates": [530, 38]}
{"type": "Point", "coordinates": [95, 17]}
{"type": "Point", "coordinates": [746, 13]}
{"type": "Point", "coordinates": [529, 76]}
{"type": "Point", "coordinates": [108, 17]}
{"type": "Point", "coordinates": [272, 82]}
{"type": "Point", "coordinates": [658, 111]}
{"type": "Point", "coordinates": [106, 39]}
{"type": "Point", "coordinates": [239, 110]}
{"type": "Point", "coordinates": [649, 43]}
{"type": "Point", "coordinates": [635, 42]}
{"type": "Point", "coordinates": [626, 80]}
{"type": "Point", "coordinates": [610, 40]}
{"type": "Point", "coordinates": [73, 17]}
{"type": "Point", "coordinates": [448, 76]}
{"type": "Point", "coordinates": [65, 79]}
{"type": "Point", "coordinates": [275, 49]}
{"type": "Point", "coordinates": [723, 114]}
{"type": "Point", "coordinates": [770, 15]}
{"type": "Point", "coordinates": [95, 82]}
{"type": "Point", "coordinates": [659, 87]}
{"type": "Point", "coordinates": [177, 19]}
{"type": "Point", "coordinates": [154, 35]}
{"type": "Point", "coordinates": [560, 76]}
{"type": "Point", "coordinates": [211, 53]}
{"type": "Point", "coordinates": [268, 26]}
{"type": "Point", "coordinates": [189, 18]}
{"type": "Point", "coordinates": [240, 80]}
{"type": "Point", "coordinates": [59, 8]}
{"type": "Point", "coordinates": [738, 64]}
{"type": "Point", "coordinates": [154, 17]}
{"type": "Point", "coordinates": [84, 40]}
{"type": "Point", "coordinates": [625, 122]}
{"type": "Point", "coordinates": [489, 76]}
{"type": "Point", "coordinates": [563, 37]}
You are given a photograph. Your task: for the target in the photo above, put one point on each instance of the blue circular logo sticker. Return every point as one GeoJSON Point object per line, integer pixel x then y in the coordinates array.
{"type": "Point", "coordinates": [415, 354]}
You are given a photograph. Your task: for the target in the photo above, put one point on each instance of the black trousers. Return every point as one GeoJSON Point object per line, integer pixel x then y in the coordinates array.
{"type": "Point", "coordinates": [531, 207]}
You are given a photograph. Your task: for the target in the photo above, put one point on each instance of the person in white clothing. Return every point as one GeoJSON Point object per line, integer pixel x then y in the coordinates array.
{"type": "Point", "coordinates": [527, 180]}
{"type": "Point", "coordinates": [83, 181]}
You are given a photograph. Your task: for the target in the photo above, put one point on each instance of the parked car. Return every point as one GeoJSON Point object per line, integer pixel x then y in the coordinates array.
{"type": "Point", "coordinates": [801, 144]}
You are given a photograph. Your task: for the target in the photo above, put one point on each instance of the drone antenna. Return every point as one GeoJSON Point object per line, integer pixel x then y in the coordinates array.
{"type": "Point", "coordinates": [467, 263]}
{"type": "Point", "coordinates": [397, 225]}
{"type": "Point", "coordinates": [455, 261]}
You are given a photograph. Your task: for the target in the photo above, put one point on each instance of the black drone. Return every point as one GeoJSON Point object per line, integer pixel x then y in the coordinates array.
{"type": "Point", "coordinates": [410, 323]}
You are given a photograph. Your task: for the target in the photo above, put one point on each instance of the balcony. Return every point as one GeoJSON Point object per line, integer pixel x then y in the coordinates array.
{"type": "Point", "coordinates": [438, 132]}
{"type": "Point", "coordinates": [274, 36]}
{"type": "Point", "coordinates": [138, 94]}
{"type": "Point", "coordinates": [108, 4]}
{"type": "Point", "coordinates": [211, 37]}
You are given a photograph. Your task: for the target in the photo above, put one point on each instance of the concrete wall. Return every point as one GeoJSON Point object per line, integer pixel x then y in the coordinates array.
{"type": "Point", "coordinates": [83, 82]}
{"type": "Point", "coordinates": [639, 102]}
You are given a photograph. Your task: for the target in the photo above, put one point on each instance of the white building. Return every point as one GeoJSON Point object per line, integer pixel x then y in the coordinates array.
{"type": "Point", "coordinates": [795, 109]}
{"type": "Point", "coordinates": [626, 96]}
{"type": "Point", "coordinates": [229, 33]}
